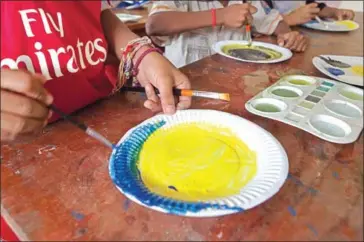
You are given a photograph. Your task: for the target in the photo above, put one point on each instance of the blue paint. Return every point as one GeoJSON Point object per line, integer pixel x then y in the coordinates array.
{"type": "Point", "coordinates": [292, 211]}
{"type": "Point", "coordinates": [328, 84]}
{"type": "Point", "coordinates": [335, 175]}
{"type": "Point", "coordinates": [298, 182]}
{"type": "Point", "coordinates": [335, 71]}
{"type": "Point", "coordinates": [125, 174]}
{"type": "Point", "coordinates": [312, 229]}
{"type": "Point", "coordinates": [295, 180]}
{"type": "Point", "coordinates": [126, 204]}
{"type": "Point", "coordinates": [313, 191]}
{"type": "Point", "coordinates": [77, 216]}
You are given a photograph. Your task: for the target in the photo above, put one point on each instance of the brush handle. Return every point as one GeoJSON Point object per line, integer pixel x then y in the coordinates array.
{"type": "Point", "coordinates": [82, 126]}
{"type": "Point", "coordinates": [176, 92]}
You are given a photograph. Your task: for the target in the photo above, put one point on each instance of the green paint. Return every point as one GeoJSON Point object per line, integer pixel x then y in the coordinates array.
{"type": "Point", "coordinates": [307, 105]}
{"type": "Point", "coordinates": [267, 108]}
{"type": "Point", "coordinates": [352, 95]}
{"type": "Point", "coordinates": [300, 82]}
{"type": "Point", "coordinates": [313, 99]}
{"type": "Point", "coordinates": [328, 84]}
{"type": "Point", "coordinates": [270, 52]}
{"type": "Point", "coordinates": [284, 92]}
{"type": "Point", "coordinates": [324, 89]}
{"type": "Point", "coordinates": [318, 94]}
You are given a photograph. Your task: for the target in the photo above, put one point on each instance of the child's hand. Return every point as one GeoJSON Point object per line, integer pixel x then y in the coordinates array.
{"type": "Point", "coordinates": [236, 15]}
{"type": "Point", "coordinates": [24, 103]}
{"type": "Point", "coordinates": [293, 40]}
{"type": "Point", "coordinates": [344, 14]}
{"type": "Point", "coordinates": [302, 14]}
{"type": "Point", "coordinates": [157, 71]}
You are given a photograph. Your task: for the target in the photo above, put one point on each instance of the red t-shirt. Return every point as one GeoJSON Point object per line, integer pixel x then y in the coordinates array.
{"type": "Point", "coordinates": [64, 41]}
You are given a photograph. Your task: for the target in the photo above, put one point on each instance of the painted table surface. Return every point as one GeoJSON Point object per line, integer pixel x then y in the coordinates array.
{"type": "Point", "coordinates": [57, 186]}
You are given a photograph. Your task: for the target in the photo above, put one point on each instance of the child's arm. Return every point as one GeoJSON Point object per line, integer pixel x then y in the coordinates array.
{"type": "Point", "coordinates": [154, 70]}
{"type": "Point", "coordinates": [167, 19]}
{"type": "Point", "coordinates": [336, 13]}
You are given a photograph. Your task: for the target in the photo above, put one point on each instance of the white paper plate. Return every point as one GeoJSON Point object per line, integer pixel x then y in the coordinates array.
{"type": "Point", "coordinates": [349, 77]}
{"type": "Point", "coordinates": [128, 17]}
{"type": "Point", "coordinates": [286, 53]}
{"type": "Point", "coordinates": [272, 165]}
{"type": "Point", "coordinates": [332, 26]}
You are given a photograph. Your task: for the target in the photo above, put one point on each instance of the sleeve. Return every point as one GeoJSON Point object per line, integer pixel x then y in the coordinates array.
{"type": "Point", "coordinates": [320, 5]}
{"type": "Point", "coordinates": [265, 22]}
{"type": "Point", "coordinates": [107, 4]}
{"type": "Point", "coordinates": [165, 6]}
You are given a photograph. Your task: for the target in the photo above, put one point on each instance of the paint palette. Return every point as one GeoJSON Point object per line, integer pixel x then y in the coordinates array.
{"type": "Point", "coordinates": [139, 173]}
{"type": "Point", "coordinates": [351, 74]}
{"type": "Point", "coordinates": [333, 26]}
{"type": "Point", "coordinates": [258, 52]}
{"type": "Point", "coordinates": [325, 108]}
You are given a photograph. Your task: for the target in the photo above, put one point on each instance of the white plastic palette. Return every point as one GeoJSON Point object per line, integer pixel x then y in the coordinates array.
{"type": "Point", "coordinates": [272, 164]}
{"type": "Point", "coordinates": [325, 108]}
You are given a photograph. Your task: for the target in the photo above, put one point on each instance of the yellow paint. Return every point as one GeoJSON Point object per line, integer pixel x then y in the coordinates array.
{"type": "Point", "coordinates": [349, 24]}
{"type": "Point", "coordinates": [201, 161]}
{"type": "Point", "coordinates": [272, 53]}
{"type": "Point", "coordinates": [358, 70]}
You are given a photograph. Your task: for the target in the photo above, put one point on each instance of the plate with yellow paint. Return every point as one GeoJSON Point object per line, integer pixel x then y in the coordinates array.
{"type": "Point", "coordinates": [257, 52]}
{"type": "Point", "coordinates": [351, 72]}
{"type": "Point", "coordinates": [198, 163]}
{"type": "Point", "coordinates": [333, 26]}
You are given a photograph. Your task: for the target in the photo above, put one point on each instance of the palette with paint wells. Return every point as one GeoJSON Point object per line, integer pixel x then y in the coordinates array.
{"type": "Point", "coordinates": [325, 108]}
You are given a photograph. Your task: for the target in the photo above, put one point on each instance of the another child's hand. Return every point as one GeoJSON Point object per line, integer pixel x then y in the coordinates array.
{"type": "Point", "coordinates": [344, 14]}
{"type": "Point", "coordinates": [293, 40]}
{"type": "Point", "coordinates": [302, 14]}
{"type": "Point", "coordinates": [156, 71]}
{"type": "Point", "coordinates": [24, 102]}
{"type": "Point", "coordinates": [236, 15]}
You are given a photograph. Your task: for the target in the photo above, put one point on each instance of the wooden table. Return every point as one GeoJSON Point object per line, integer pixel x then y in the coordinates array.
{"type": "Point", "coordinates": [57, 187]}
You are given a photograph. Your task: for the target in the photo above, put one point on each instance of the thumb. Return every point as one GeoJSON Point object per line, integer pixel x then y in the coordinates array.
{"type": "Point", "coordinates": [281, 39]}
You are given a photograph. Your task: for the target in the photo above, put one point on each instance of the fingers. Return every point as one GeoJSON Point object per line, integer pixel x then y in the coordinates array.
{"type": "Point", "coordinates": [166, 96]}
{"type": "Point", "coordinates": [153, 102]}
{"type": "Point", "coordinates": [22, 106]}
{"type": "Point", "coordinates": [19, 125]}
{"type": "Point", "coordinates": [27, 84]}
{"type": "Point", "coordinates": [183, 83]}
{"type": "Point", "coordinates": [289, 40]}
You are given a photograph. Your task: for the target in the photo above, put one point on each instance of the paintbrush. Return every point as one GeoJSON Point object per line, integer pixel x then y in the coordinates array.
{"type": "Point", "coordinates": [248, 32]}
{"type": "Point", "coordinates": [82, 126]}
{"type": "Point", "coordinates": [318, 19]}
{"type": "Point", "coordinates": [185, 92]}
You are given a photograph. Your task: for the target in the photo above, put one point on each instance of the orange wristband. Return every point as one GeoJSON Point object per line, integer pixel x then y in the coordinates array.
{"type": "Point", "coordinates": [213, 14]}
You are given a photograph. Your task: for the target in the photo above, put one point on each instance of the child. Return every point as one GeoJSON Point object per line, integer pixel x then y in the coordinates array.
{"type": "Point", "coordinates": [300, 12]}
{"type": "Point", "coordinates": [67, 44]}
{"type": "Point", "coordinates": [188, 29]}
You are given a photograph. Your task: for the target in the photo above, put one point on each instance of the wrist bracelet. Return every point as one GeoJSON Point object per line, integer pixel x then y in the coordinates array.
{"type": "Point", "coordinates": [213, 15]}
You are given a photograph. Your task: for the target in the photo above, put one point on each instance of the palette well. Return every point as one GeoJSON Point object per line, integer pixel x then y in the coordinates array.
{"type": "Point", "coordinates": [325, 108]}
{"type": "Point", "coordinates": [257, 52]}
{"type": "Point", "coordinates": [198, 163]}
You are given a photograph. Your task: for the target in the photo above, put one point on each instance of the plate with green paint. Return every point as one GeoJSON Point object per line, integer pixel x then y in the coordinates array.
{"type": "Point", "coordinates": [257, 52]}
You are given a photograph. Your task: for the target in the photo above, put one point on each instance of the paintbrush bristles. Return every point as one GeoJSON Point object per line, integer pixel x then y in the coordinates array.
{"type": "Point", "coordinates": [225, 96]}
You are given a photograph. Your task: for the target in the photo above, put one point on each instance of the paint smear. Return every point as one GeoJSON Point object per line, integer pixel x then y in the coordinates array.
{"type": "Point", "coordinates": [292, 211]}
{"type": "Point", "coordinates": [347, 23]}
{"type": "Point", "coordinates": [358, 70]}
{"type": "Point", "coordinates": [253, 53]}
{"type": "Point", "coordinates": [197, 160]}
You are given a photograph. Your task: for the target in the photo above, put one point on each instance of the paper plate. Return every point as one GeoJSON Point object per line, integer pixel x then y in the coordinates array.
{"type": "Point", "coordinates": [272, 165]}
{"type": "Point", "coordinates": [286, 53]}
{"type": "Point", "coordinates": [333, 26]}
{"type": "Point", "coordinates": [347, 75]}
{"type": "Point", "coordinates": [128, 17]}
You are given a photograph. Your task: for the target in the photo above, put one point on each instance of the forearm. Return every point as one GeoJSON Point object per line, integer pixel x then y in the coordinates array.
{"type": "Point", "coordinates": [170, 23]}
{"type": "Point", "coordinates": [116, 32]}
{"type": "Point", "coordinates": [282, 28]}
{"type": "Point", "coordinates": [327, 12]}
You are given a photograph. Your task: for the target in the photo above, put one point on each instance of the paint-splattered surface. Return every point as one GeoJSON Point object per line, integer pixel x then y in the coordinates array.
{"type": "Point", "coordinates": [57, 186]}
